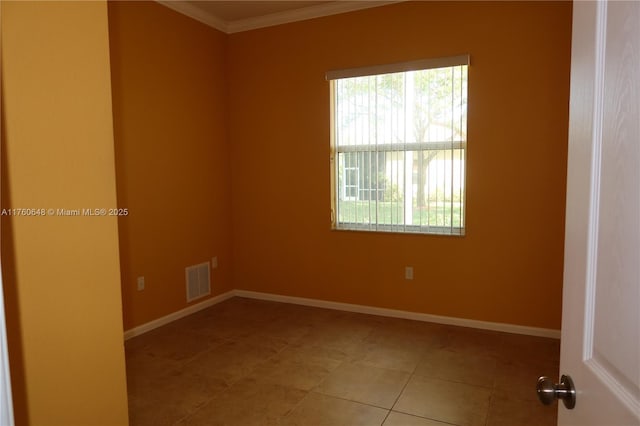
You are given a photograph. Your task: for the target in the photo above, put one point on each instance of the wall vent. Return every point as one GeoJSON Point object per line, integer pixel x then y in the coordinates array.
{"type": "Point", "coordinates": [198, 281]}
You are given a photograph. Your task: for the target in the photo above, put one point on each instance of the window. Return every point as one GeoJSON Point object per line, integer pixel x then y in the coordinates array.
{"type": "Point", "coordinates": [398, 149]}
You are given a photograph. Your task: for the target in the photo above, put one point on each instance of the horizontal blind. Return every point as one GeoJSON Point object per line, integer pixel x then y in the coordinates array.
{"type": "Point", "coordinates": [421, 64]}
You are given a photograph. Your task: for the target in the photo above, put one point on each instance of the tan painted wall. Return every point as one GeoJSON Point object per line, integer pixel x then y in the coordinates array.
{"type": "Point", "coordinates": [509, 265]}
{"type": "Point", "coordinates": [197, 112]}
{"type": "Point", "coordinates": [61, 274]}
{"type": "Point", "coordinates": [172, 155]}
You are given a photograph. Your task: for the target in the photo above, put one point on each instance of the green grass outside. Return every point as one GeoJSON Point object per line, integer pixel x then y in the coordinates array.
{"type": "Point", "coordinates": [392, 213]}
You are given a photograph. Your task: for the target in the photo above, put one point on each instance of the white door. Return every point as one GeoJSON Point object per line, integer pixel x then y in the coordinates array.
{"type": "Point", "coordinates": [601, 300]}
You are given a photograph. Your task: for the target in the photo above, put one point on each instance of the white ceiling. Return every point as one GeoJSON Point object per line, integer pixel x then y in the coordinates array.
{"type": "Point", "coordinates": [241, 15]}
{"type": "Point", "coordinates": [237, 10]}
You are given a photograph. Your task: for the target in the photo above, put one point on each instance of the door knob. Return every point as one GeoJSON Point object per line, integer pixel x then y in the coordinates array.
{"type": "Point", "coordinates": [549, 391]}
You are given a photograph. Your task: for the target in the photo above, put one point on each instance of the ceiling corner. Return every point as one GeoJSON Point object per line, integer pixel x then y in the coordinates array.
{"type": "Point", "coordinates": [196, 13]}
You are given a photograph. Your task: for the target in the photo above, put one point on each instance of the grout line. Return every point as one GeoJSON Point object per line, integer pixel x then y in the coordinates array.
{"type": "Point", "coordinates": [352, 400]}
{"type": "Point", "coordinates": [458, 382]}
{"type": "Point", "coordinates": [399, 395]}
{"type": "Point", "coordinates": [294, 343]}
{"type": "Point", "coordinates": [491, 398]}
{"type": "Point", "coordinates": [444, 422]}
{"type": "Point", "coordinates": [385, 417]}
{"type": "Point", "coordinates": [298, 404]}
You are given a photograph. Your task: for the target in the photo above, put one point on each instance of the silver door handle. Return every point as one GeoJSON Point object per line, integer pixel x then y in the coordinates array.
{"type": "Point", "coordinates": [549, 391]}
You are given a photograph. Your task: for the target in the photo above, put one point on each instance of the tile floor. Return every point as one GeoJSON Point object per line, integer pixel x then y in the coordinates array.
{"type": "Point", "coordinates": [247, 362]}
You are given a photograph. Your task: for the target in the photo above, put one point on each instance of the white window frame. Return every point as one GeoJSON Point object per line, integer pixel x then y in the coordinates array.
{"type": "Point", "coordinates": [346, 188]}
{"type": "Point", "coordinates": [407, 148]}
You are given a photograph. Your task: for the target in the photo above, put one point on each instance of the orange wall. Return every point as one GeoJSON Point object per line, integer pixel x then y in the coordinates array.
{"type": "Point", "coordinates": [509, 265]}
{"type": "Point", "coordinates": [60, 274]}
{"type": "Point", "coordinates": [172, 157]}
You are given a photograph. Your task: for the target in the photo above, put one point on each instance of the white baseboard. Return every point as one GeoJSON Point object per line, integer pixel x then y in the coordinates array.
{"type": "Point", "coordinates": [394, 313]}
{"type": "Point", "coordinates": [141, 329]}
{"type": "Point", "coordinates": [362, 309]}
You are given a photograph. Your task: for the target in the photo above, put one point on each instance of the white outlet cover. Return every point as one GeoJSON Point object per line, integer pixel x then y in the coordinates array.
{"type": "Point", "coordinates": [214, 262]}
{"type": "Point", "coordinates": [140, 283]}
{"type": "Point", "coordinates": [408, 273]}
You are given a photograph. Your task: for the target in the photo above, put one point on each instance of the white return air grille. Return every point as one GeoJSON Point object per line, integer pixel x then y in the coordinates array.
{"type": "Point", "coordinates": [198, 281]}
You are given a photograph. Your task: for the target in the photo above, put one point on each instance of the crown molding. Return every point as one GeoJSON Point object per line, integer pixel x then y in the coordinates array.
{"type": "Point", "coordinates": [196, 13]}
{"type": "Point", "coordinates": [302, 14]}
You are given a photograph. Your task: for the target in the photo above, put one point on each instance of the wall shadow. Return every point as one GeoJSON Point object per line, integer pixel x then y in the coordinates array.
{"type": "Point", "coordinates": [9, 283]}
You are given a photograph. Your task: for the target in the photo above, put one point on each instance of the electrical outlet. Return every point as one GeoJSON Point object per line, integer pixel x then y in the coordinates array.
{"type": "Point", "coordinates": [140, 283]}
{"type": "Point", "coordinates": [408, 272]}
{"type": "Point", "coordinates": [214, 262]}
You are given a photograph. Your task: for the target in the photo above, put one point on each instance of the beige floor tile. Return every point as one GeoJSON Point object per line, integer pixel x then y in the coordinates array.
{"type": "Point", "coordinates": [167, 398]}
{"type": "Point", "coordinates": [145, 412]}
{"type": "Point", "coordinates": [245, 362]}
{"type": "Point", "coordinates": [136, 344]}
{"type": "Point", "coordinates": [323, 410]}
{"type": "Point", "coordinates": [389, 357]}
{"type": "Point", "coordinates": [229, 362]}
{"type": "Point", "coordinates": [518, 380]}
{"type": "Point", "coordinates": [174, 343]}
{"type": "Point", "coordinates": [362, 383]}
{"type": "Point", "coordinates": [247, 403]}
{"type": "Point", "coordinates": [474, 341]}
{"type": "Point", "coordinates": [307, 315]}
{"type": "Point", "coordinates": [449, 402]}
{"type": "Point", "coordinates": [409, 335]}
{"type": "Point", "coordinates": [304, 375]}
{"type": "Point", "coordinates": [334, 337]}
{"type": "Point", "coordinates": [401, 419]}
{"type": "Point", "coordinates": [356, 325]}
{"type": "Point", "coordinates": [512, 412]}
{"type": "Point", "coordinates": [529, 349]}
{"type": "Point", "coordinates": [284, 330]}
{"type": "Point", "coordinates": [219, 327]}
{"type": "Point", "coordinates": [142, 368]}
{"type": "Point", "coordinates": [472, 369]}
{"type": "Point", "coordinates": [328, 357]}
{"type": "Point", "coordinates": [245, 309]}
{"type": "Point", "coordinates": [258, 339]}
